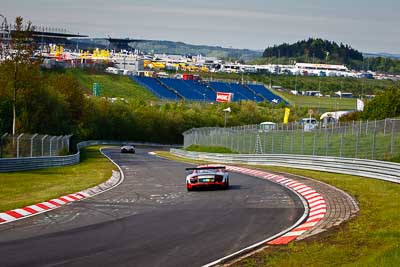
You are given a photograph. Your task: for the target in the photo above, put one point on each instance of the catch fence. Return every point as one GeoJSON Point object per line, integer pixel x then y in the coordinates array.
{"type": "Point", "coordinates": [357, 139]}
{"type": "Point", "coordinates": [33, 145]}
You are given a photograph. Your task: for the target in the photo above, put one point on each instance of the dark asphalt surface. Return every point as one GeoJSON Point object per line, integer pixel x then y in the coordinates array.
{"type": "Point", "coordinates": [150, 220]}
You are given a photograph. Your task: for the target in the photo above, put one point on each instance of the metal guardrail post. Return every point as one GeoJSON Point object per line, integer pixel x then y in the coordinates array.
{"type": "Point", "coordinates": [392, 139]}
{"type": "Point", "coordinates": [51, 141]}
{"type": "Point", "coordinates": [2, 144]}
{"type": "Point", "coordinates": [272, 143]}
{"type": "Point", "coordinates": [244, 139]}
{"type": "Point", "coordinates": [18, 138]}
{"type": "Point", "coordinates": [314, 142]}
{"type": "Point", "coordinates": [374, 142]}
{"type": "Point", "coordinates": [58, 140]}
{"type": "Point", "coordinates": [326, 142]}
{"type": "Point", "coordinates": [341, 144]}
{"type": "Point", "coordinates": [43, 138]}
{"type": "Point", "coordinates": [384, 128]}
{"type": "Point", "coordinates": [33, 137]}
{"type": "Point", "coordinates": [62, 142]}
{"type": "Point", "coordinates": [291, 142]}
{"type": "Point", "coordinates": [67, 139]}
{"type": "Point", "coordinates": [356, 143]}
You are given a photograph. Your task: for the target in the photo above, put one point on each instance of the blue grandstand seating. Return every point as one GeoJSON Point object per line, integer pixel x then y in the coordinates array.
{"type": "Point", "coordinates": [224, 87]}
{"type": "Point", "coordinates": [246, 92]}
{"type": "Point", "coordinates": [156, 88]}
{"type": "Point", "coordinates": [260, 89]}
{"type": "Point", "coordinates": [183, 88]}
{"type": "Point", "coordinates": [200, 91]}
{"type": "Point", "coordinates": [239, 91]}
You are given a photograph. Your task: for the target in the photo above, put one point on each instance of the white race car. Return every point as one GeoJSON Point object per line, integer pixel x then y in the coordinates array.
{"type": "Point", "coordinates": [128, 149]}
{"type": "Point", "coordinates": [207, 176]}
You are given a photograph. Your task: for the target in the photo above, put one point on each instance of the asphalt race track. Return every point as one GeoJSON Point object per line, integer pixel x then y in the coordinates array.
{"type": "Point", "coordinates": [151, 220]}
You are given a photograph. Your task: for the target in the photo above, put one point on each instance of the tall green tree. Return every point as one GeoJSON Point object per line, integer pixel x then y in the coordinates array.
{"type": "Point", "coordinates": [384, 105]}
{"type": "Point", "coordinates": [17, 64]}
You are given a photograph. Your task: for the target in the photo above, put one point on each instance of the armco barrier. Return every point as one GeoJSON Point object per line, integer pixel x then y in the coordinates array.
{"type": "Point", "coordinates": [382, 170]}
{"type": "Point", "coordinates": [24, 164]}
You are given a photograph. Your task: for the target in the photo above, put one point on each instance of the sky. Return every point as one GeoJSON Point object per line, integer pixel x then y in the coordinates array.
{"type": "Point", "coordinates": [368, 26]}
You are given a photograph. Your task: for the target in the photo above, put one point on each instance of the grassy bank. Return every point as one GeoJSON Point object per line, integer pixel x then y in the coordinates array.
{"type": "Point", "coordinates": [370, 239]}
{"type": "Point", "coordinates": [25, 188]}
{"type": "Point", "coordinates": [113, 85]}
{"type": "Point", "coordinates": [320, 104]}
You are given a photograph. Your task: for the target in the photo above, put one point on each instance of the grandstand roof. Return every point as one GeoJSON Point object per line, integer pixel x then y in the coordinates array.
{"type": "Point", "coordinates": [40, 34]}
{"type": "Point", "coordinates": [120, 43]}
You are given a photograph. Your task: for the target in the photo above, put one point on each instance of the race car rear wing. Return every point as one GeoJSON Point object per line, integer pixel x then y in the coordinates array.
{"type": "Point", "coordinates": [207, 168]}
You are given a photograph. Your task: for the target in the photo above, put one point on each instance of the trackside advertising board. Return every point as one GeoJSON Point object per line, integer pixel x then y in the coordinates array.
{"type": "Point", "coordinates": [224, 97]}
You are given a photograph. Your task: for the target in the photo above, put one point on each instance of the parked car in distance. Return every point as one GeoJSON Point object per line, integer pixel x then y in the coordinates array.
{"type": "Point", "coordinates": [308, 124]}
{"type": "Point", "coordinates": [267, 126]}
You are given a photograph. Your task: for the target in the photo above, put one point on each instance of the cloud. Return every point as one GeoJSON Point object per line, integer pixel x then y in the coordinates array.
{"type": "Point", "coordinates": [250, 24]}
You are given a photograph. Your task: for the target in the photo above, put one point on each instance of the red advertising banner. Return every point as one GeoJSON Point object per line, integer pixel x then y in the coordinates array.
{"type": "Point", "coordinates": [224, 97]}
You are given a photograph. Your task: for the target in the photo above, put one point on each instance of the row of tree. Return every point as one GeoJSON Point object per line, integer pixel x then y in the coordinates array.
{"type": "Point", "coordinates": [379, 64]}
{"type": "Point", "coordinates": [323, 51]}
{"type": "Point", "coordinates": [315, 49]}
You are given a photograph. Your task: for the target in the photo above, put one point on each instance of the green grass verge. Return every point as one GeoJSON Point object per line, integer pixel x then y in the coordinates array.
{"type": "Point", "coordinates": [319, 103]}
{"type": "Point", "coordinates": [21, 189]}
{"type": "Point", "coordinates": [210, 149]}
{"type": "Point", "coordinates": [113, 85]}
{"type": "Point", "coordinates": [370, 239]}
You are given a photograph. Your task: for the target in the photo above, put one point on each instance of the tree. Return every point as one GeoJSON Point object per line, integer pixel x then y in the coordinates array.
{"type": "Point", "coordinates": [384, 105]}
{"type": "Point", "coordinates": [17, 61]}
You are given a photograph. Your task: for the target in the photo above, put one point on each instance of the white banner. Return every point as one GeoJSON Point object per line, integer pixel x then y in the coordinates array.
{"type": "Point", "coordinates": [360, 105]}
{"type": "Point", "coordinates": [224, 97]}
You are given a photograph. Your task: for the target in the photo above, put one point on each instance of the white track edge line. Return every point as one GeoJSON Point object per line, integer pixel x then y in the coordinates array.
{"type": "Point", "coordinates": [122, 178]}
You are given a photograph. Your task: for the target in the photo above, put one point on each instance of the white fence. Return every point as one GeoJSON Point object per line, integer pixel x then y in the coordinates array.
{"type": "Point", "coordinates": [387, 171]}
{"type": "Point", "coordinates": [362, 139]}
{"type": "Point", "coordinates": [33, 145]}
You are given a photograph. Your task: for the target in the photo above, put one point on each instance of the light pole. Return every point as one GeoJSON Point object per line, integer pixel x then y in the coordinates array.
{"type": "Point", "coordinates": [226, 111]}
{"type": "Point", "coordinates": [270, 78]}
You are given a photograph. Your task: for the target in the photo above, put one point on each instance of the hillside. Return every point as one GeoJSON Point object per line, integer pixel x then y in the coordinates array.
{"type": "Point", "coordinates": [113, 85]}
{"type": "Point", "coordinates": [312, 50]}
{"type": "Point", "coordinates": [324, 51]}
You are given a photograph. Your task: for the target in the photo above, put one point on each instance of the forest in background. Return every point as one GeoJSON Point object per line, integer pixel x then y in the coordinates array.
{"type": "Point", "coordinates": [324, 51]}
